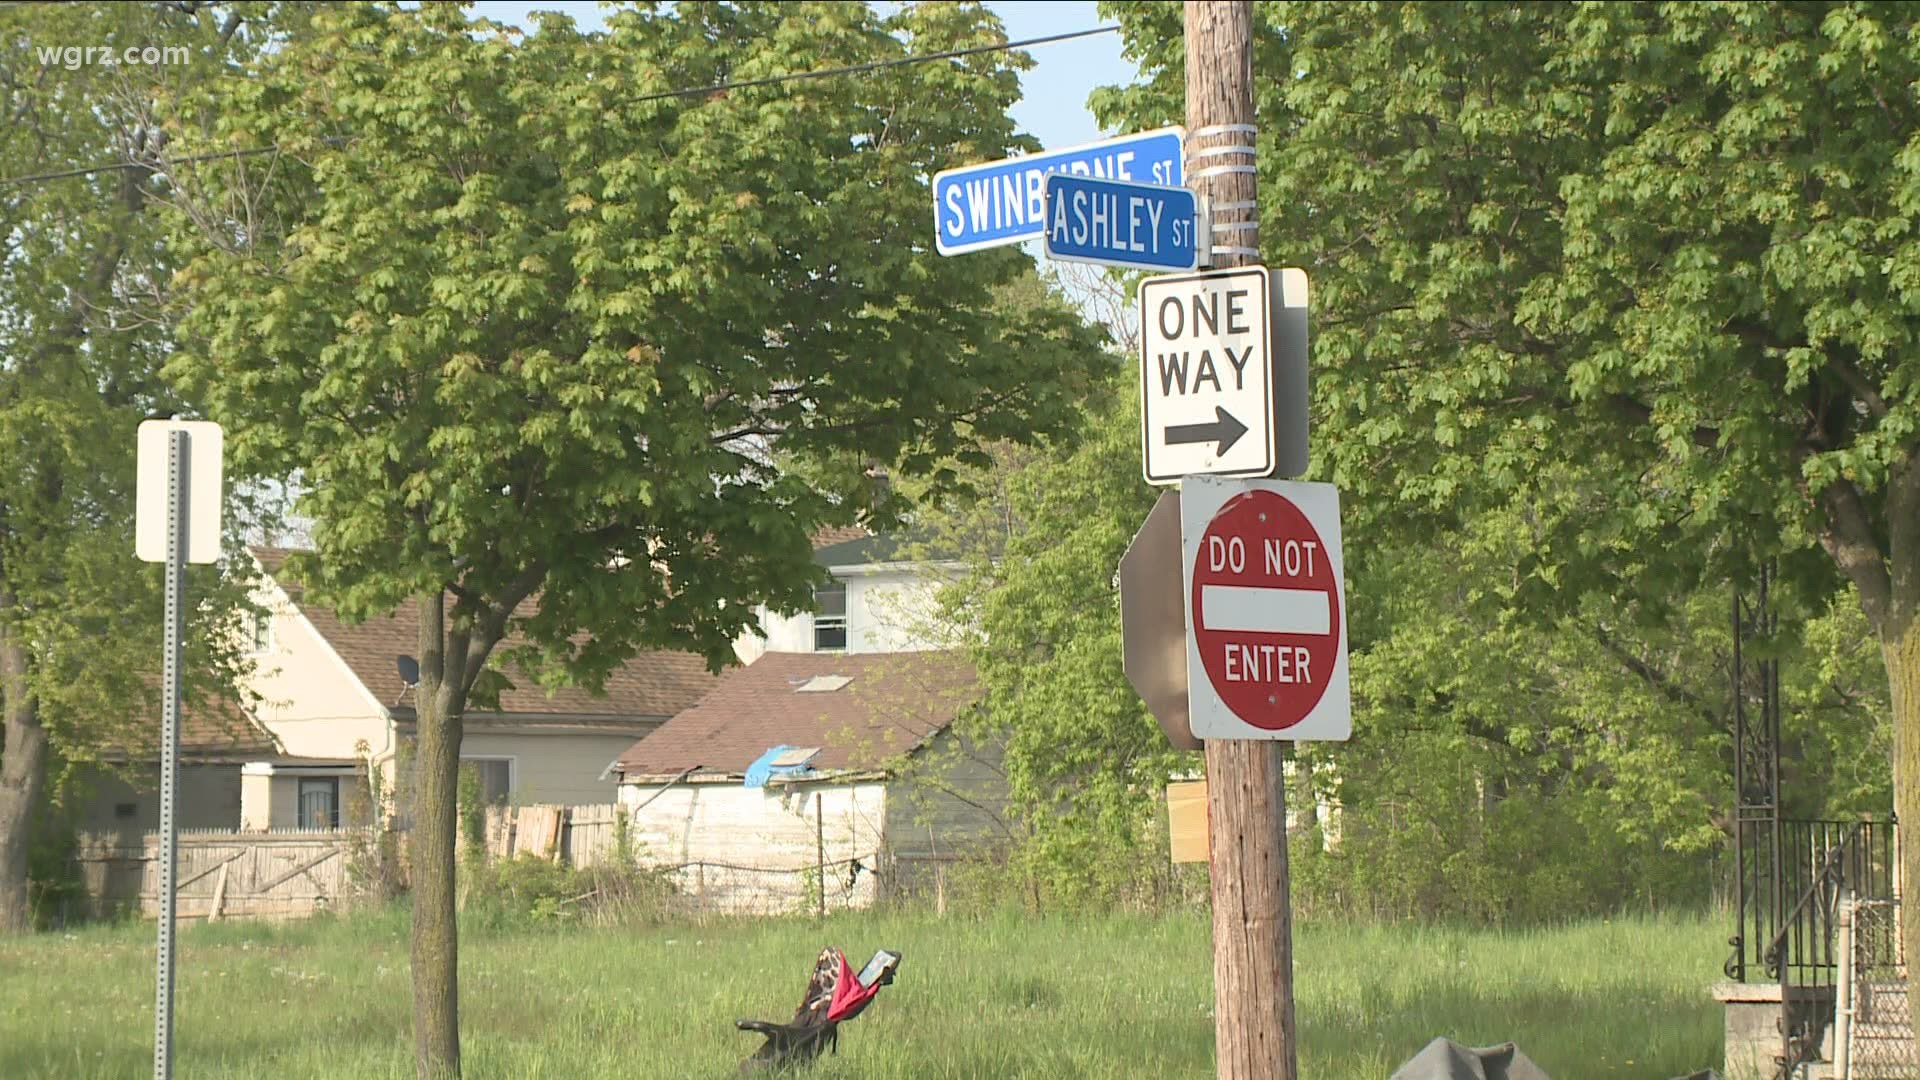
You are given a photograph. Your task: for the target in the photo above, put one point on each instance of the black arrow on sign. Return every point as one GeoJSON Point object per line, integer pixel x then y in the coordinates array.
{"type": "Point", "coordinates": [1224, 428]}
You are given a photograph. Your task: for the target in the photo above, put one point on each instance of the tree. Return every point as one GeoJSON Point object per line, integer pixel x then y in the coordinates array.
{"type": "Point", "coordinates": [80, 349]}
{"type": "Point", "coordinates": [562, 350]}
{"type": "Point", "coordinates": [1593, 741]}
{"type": "Point", "coordinates": [1639, 273]}
{"type": "Point", "coordinates": [1510, 767]}
{"type": "Point", "coordinates": [1084, 760]}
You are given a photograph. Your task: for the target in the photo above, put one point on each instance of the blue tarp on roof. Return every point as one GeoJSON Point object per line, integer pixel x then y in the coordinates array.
{"type": "Point", "coordinates": [763, 768]}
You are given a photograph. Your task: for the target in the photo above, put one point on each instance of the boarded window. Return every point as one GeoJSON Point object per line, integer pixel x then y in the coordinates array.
{"type": "Point", "coordinates": [259, 633]}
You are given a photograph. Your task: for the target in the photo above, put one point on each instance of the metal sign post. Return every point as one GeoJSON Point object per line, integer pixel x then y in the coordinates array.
{"type": "Point", "coordinates": [170, 527]}
{"type": "Point", "coordinates": [179, 493]}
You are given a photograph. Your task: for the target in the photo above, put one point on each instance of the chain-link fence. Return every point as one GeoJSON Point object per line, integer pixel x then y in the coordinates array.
{"type": "Point", "coordinates": [713, 888]}
{"type": "Point", "coordinates": [1880, 1041]}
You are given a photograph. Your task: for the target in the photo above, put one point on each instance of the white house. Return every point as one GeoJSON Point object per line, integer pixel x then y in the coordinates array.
{"type": "Point", "coordinates": [878, 602]}
{"type": "Point", "coordinates": [873, 781]}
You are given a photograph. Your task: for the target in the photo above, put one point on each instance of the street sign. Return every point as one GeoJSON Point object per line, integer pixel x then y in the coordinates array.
{"type": "Point", "coordinates": [1153, 620]}
{"type": "Point", "coordinates": [1267, 637]}
{"type": "Point", "coordinates": [151, 488]}
{"type": "Point", "coordinates": [1004, 202]}
{"type": "Point", "coordinates": [1117, 223]}
{"type": "Point", "coordinates": [1207, 375]}
{"type": "Point", "coordinates": [1223, 374]}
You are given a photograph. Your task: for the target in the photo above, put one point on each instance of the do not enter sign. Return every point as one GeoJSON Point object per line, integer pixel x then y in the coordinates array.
{"type": "Point", "coordinates": [1267, 636]}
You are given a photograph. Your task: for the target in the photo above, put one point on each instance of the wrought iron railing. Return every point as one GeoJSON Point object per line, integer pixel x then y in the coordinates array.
{"type": "Point", "coordinates": [1821, 862]}
{"type": "Point", "coordinates": [1785, 904]}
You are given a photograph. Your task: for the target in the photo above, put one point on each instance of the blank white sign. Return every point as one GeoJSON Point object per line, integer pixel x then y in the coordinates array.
{"type": "Point", "coordinates": [204, 494]}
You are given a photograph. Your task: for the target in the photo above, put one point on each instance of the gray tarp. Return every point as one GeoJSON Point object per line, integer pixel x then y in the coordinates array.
{"type": "Point", "coordinates": [1444, 1059]}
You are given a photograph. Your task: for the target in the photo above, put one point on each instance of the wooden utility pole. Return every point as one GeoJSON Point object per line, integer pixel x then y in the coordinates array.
{"type": "Point", "coordinates": [1246, 792]}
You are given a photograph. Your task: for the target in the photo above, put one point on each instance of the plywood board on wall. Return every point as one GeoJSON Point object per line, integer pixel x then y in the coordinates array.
{"type": "Point", "coordinates": [1187, 820]}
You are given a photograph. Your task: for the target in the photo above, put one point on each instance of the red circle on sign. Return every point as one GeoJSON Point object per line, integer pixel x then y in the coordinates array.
{"type": "Point", "coordinates": [1266, 610]}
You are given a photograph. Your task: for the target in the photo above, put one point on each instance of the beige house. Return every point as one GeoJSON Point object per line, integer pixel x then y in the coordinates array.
{"type": "Point", "coordinates": [333, 700]}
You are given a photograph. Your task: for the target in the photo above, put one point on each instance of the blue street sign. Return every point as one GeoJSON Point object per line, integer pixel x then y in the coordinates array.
{"type": "Point", "coordinates": [1002, 202]}
{"type": "Point", "coordinates": [1120, 224]}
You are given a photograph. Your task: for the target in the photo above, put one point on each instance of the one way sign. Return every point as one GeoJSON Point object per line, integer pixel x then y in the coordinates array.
{"type": "Point", "coordinates": [1210, 376]}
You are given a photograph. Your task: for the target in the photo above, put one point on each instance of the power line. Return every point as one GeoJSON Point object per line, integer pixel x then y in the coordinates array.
{"type": "Point", "coordinates": [89, 170]}
{"type": "Point", "coordinates": [855, 69]}
{"type": "Point", "coordinates": [690, 91]}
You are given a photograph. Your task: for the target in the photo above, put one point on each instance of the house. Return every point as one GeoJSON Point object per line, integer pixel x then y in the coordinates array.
{"type": "Point", "coordinates": [338, 709]}
{"type": "Point", "coordinates": [804, 758]}
{"type": "Point", "coordinates": [121, 797]}
{"type": "Point", "coordinates": [880, 599]}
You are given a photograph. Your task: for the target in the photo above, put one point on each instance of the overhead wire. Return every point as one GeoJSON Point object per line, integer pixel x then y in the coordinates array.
{"type": "Point", "coordinates": [690, 91]}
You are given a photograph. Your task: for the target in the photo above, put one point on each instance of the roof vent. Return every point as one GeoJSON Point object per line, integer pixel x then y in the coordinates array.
{"type": "Point", "coordinates": [822, 684]}
{"type": "Point", "coordinates": [794, 758]}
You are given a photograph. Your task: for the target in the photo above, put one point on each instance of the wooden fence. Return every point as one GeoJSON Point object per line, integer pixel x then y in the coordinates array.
{"type": "Point", "coordinates": [577, 835]}
{"type": "Point", "coordinates": [228, 873]}
{"type": "Point", "coordinates": [225, 873]}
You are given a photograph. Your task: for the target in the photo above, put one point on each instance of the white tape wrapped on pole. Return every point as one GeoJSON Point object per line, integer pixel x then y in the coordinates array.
{"type": "Point", "coordinates": [205, 448]}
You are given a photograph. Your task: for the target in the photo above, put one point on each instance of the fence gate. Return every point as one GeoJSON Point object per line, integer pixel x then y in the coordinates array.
{"type": "Point", "coordinates": [225, 873]}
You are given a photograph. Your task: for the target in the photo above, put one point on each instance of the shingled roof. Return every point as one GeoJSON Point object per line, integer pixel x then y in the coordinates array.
{"type": "Point", "coordinates": [651, 685]}
{"type": "Point", "coordinates": [834, 535]}
{"type": "Point", "coordinates": [214, 729]}
{"type": "Point", "coordinates": [889, 704]}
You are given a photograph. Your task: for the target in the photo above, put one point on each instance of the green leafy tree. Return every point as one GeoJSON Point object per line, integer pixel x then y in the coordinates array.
{"type": "Point", "coordinates": [81, 343]}
{"type": "Point", "coordinates": [1640, 272]}
{"type": "Point", "coordinates": [562, 351]}
{"type": "Point", "coordinates": [1084, 760]}
{"type": "Point", "coordinates": [1508, 767]}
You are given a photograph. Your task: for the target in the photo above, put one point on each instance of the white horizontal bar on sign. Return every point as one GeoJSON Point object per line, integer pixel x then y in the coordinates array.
{"type": "Point", "coordinates": [1265, 611]}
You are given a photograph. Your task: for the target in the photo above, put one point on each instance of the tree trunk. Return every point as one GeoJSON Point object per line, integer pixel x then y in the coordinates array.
{"type": "Point", "coordinates": [1901, 648]}
{"type": "Point", "coordinates": [436, 990]}
{"type": "Point", "coordinates": [22, 775]}
{"type": "Point", "coordinates": [1895, 597]}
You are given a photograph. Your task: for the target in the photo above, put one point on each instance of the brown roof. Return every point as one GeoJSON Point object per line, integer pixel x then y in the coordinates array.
{"type": "Point", "coordinates": [653, 684]}
{"type": "Point", "coordinates": [216, 728]}
{"type": "Point", "coordinates": [827, 536]}
{"type": "Point", "coordinates": [891, 704]}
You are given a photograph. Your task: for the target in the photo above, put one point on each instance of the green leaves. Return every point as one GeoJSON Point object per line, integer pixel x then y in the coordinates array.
{"type": "Point", "coordinates": [83, 333]}
{"type": "Point", "coordinates": [508, 311]}
{"type": "Point", "coordinates": [1619, 295]}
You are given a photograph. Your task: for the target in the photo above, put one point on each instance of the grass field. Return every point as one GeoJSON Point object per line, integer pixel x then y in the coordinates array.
{"type": "Point", "coordinates": [998, 997]}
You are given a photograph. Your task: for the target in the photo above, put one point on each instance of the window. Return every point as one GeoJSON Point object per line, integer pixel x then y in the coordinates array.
{"type": "Point", "coordinates": [319, 802]}
{"type": "Point", "coordinates": [830, 618]}
{"type": "Point", "coordinates": [260, 633]}
{"type": "Point", "coordinates": [495, 776]}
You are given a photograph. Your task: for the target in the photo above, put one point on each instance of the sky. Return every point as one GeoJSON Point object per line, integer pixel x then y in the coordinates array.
{"type": "Point", "coordinates": [1053, 106]}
